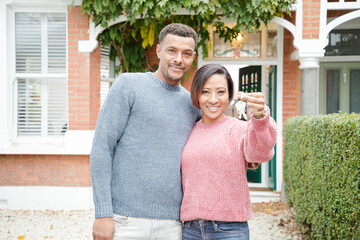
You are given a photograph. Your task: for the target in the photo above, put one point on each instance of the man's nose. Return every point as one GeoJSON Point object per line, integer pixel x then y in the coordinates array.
{"type": "Point", "coordinates": [178, 57]}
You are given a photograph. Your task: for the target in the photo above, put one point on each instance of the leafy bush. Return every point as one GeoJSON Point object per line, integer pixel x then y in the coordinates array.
{"type": "Point", "coordinates": [322, 174]}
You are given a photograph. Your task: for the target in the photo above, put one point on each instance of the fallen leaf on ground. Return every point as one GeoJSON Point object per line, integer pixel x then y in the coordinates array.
{"type": "Point", "coordinates": [268, 210]}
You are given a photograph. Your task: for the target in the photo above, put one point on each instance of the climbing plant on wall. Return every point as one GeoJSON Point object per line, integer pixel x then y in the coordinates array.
{"type": "Point", "coordinates": [145, 18]}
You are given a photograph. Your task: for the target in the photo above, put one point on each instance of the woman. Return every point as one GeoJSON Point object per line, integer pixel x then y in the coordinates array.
{"type": "Point", "coordinates": [216, 203]}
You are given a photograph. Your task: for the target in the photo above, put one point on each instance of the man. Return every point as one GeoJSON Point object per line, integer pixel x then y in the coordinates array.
{"type": "Point", "coordinates": [140, 134]}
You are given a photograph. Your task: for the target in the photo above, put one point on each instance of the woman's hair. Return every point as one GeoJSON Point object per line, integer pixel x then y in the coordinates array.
{"type": "Point", "coordinates": [202, 75]}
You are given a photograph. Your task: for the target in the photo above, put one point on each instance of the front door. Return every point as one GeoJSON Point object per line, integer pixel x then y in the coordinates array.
{"type": "Point", "coordinates": [340, 87]}
{"type": "Point", "coordinates": [250, 81]}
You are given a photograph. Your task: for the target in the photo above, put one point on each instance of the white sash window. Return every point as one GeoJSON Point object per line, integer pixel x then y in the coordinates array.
{"type": "Point", "coordinates": [40, 72]}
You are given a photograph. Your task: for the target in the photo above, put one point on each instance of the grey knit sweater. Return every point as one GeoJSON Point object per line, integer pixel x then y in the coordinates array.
{"type": "Point", "coordinates": [136, 153]}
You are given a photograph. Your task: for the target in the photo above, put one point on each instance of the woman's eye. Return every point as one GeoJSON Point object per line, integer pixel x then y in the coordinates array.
{"type": "Point", "coordinates": [221, 92]}
{"type": "Point", "coordinates": [205, 92]}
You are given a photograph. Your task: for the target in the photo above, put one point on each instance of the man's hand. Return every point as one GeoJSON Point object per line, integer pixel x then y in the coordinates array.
{"type": "Point", "coordinates": [103, 229]}
{"type": "Point", "coordinates": [255, 101]}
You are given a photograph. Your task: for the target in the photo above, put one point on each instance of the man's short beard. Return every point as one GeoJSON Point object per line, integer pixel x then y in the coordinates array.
{"type": "Point", "coordinates": [172, 79]}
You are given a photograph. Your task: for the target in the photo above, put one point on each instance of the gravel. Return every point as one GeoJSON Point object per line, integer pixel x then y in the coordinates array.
{"type": "Point", "coordinates": [271, 221]}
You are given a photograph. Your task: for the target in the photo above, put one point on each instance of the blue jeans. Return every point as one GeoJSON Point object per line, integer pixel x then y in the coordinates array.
{"type": "Point", "coordinates": [208, 230]}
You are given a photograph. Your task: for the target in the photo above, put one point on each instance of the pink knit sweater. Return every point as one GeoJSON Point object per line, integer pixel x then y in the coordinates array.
{"type": "Point", "coordinates": [214, 167]}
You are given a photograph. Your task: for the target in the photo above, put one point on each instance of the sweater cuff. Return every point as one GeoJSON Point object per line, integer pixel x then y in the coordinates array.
{"type": "Point", "coordinates": [103, 210]}
{"type": "Point", "coordinates": [263, 123]}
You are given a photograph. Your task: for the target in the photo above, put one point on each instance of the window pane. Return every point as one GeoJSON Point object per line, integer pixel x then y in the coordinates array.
{"type": "Point", "coordinates": [104, 90]}
{"type": "Point", "coordinates": [343, 42]}
{"type": "Point", "coordinates": [57, 107]}
{"type": "Point", "coordinates": [107, 68]}
{"type": "Point", "coordinates": [107, 72]}
{"type": "Point", "coordinates": [335, 39]}
{"type": "Point", "coordinates": [247, 45]}
{"type": "Point", "coordinates": [355, 91]}
{"type": "Point", "coordinates": [332, 90]}
{"type": "Point", "coordinates": [34, 108]}
{"type": "Point", "coordinates": [271, 48]}
{"type": "Point", "coordinates": [29, 107]}
{"type": "Point", "coordinates": [56, 35]}
{"type": "Point", "coordinates": [28, 42]}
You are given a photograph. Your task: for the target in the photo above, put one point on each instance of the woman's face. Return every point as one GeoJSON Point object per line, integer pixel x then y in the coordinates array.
{"type": "Point", "coordinates": [214, 98]}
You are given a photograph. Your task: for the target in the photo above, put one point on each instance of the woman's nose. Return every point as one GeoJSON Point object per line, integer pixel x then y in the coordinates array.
{"type": "Point", "coordinates": [213, 98]}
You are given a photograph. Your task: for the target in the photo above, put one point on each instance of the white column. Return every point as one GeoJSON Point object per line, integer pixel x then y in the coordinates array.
{"type": "Point", "coordinates": [309, 53]}
{"type": "Point", "coordinates": [5, 113]}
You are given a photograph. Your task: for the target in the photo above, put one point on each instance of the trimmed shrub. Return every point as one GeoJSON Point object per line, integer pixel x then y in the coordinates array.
{"type": "Point", "coordinates": [322, 174]}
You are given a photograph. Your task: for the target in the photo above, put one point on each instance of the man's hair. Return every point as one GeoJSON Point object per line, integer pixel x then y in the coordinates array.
{"type": "Point", "coordinates": [201, 77]}
{"type": "Point", "coordinates": [180, 30]}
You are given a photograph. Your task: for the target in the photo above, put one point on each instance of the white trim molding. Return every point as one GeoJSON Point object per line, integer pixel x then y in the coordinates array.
{"type": "Point", "coordinates": [336, 22]}
{"type": "Point", "coordinates": [4, 84]}
{"type": "Point", "coordinates": [75, 142]}
{"type": "Point", "coordinates": [286, 24]}
{"type": "Point", "coordinates": [74, 198]}
{"type": "Point", "coordinates": [35, 3]}
{"type": "Point", "coordinates": [43, 198]}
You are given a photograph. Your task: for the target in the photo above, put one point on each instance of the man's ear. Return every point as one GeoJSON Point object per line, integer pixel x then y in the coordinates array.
{"type": "Point", "coordinates": [158, 51]}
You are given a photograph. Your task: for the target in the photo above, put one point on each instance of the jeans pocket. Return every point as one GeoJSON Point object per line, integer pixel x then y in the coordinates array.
{"type": "Point", "coordinates": [120, 220]}
{"type": "Point", "coordinates": [176, 222]}
{"type": "Point", "coordinates": [186, 224]}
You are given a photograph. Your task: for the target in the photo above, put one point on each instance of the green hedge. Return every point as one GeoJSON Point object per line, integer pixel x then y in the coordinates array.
{"type": "Point", "coordinates": [322, 174]}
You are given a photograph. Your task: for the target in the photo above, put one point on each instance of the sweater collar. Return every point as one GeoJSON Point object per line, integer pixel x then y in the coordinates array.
{"type": "Point", "coordinates": [200, 124]}
{"type": "Point", "coordinates": [162, 83]}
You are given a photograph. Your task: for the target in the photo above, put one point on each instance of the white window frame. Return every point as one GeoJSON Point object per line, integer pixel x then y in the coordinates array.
{"type": "Point", "coordinates": [75, 142]}
{"type": "Point", "coordinates": [14, 76]}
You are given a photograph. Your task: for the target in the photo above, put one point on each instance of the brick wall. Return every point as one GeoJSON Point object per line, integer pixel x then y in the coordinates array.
{"type": "Point", "coordinates": [94, 86]}
{"type": "Point", "coordinates": [337, 13]}
{"type": "Point", "coordinates": [291, 77]}
{"type": "Point", "coordinates": [84, 75]}
{"type": "Point", "coordinates": [45, 170]}
{"type": "Point", "coordinates": [311, 19]}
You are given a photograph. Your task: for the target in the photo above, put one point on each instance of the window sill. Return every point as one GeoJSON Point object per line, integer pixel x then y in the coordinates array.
{"type": "Point", "coordinates": [75, 142]}
{"type": "Point", "coordinates": [28, 149]}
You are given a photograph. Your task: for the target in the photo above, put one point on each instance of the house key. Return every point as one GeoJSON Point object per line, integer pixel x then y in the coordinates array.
{"type": "Point", "coordinates": [240, 109]}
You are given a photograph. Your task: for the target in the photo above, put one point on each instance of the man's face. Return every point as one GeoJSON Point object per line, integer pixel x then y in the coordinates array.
{"type": "Point", "coordinates": [176, 55]}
